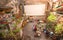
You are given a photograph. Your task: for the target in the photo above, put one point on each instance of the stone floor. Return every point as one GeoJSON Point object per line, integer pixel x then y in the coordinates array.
{"type": "Point", "coordinates": [29, 34]}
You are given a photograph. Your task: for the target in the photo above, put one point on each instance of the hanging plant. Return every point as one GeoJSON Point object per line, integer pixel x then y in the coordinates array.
{"type": "Point", "coordinates": [51, 17]}
{"type": "Point", "coordinates": [58, 28]}
{"type": "Point", "coordinates": [16, 30]}
{"type": "Point", "coordinates": [49, 25]}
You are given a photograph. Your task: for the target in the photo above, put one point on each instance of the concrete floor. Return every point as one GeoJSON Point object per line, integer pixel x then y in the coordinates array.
{"type": "Point", "coordinates": [29, 34]}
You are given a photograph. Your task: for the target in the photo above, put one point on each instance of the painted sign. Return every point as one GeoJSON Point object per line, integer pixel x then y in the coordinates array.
{"type": "Point", "coordinates": [35, 9]}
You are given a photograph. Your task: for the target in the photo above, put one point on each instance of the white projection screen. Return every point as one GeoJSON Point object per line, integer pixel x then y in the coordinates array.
{"type": "Point", "coordinates": [31, 10]}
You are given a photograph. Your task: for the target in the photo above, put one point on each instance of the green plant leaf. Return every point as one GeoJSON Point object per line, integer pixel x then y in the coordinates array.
{"type": "Point", "coordinates": [51, 17]}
